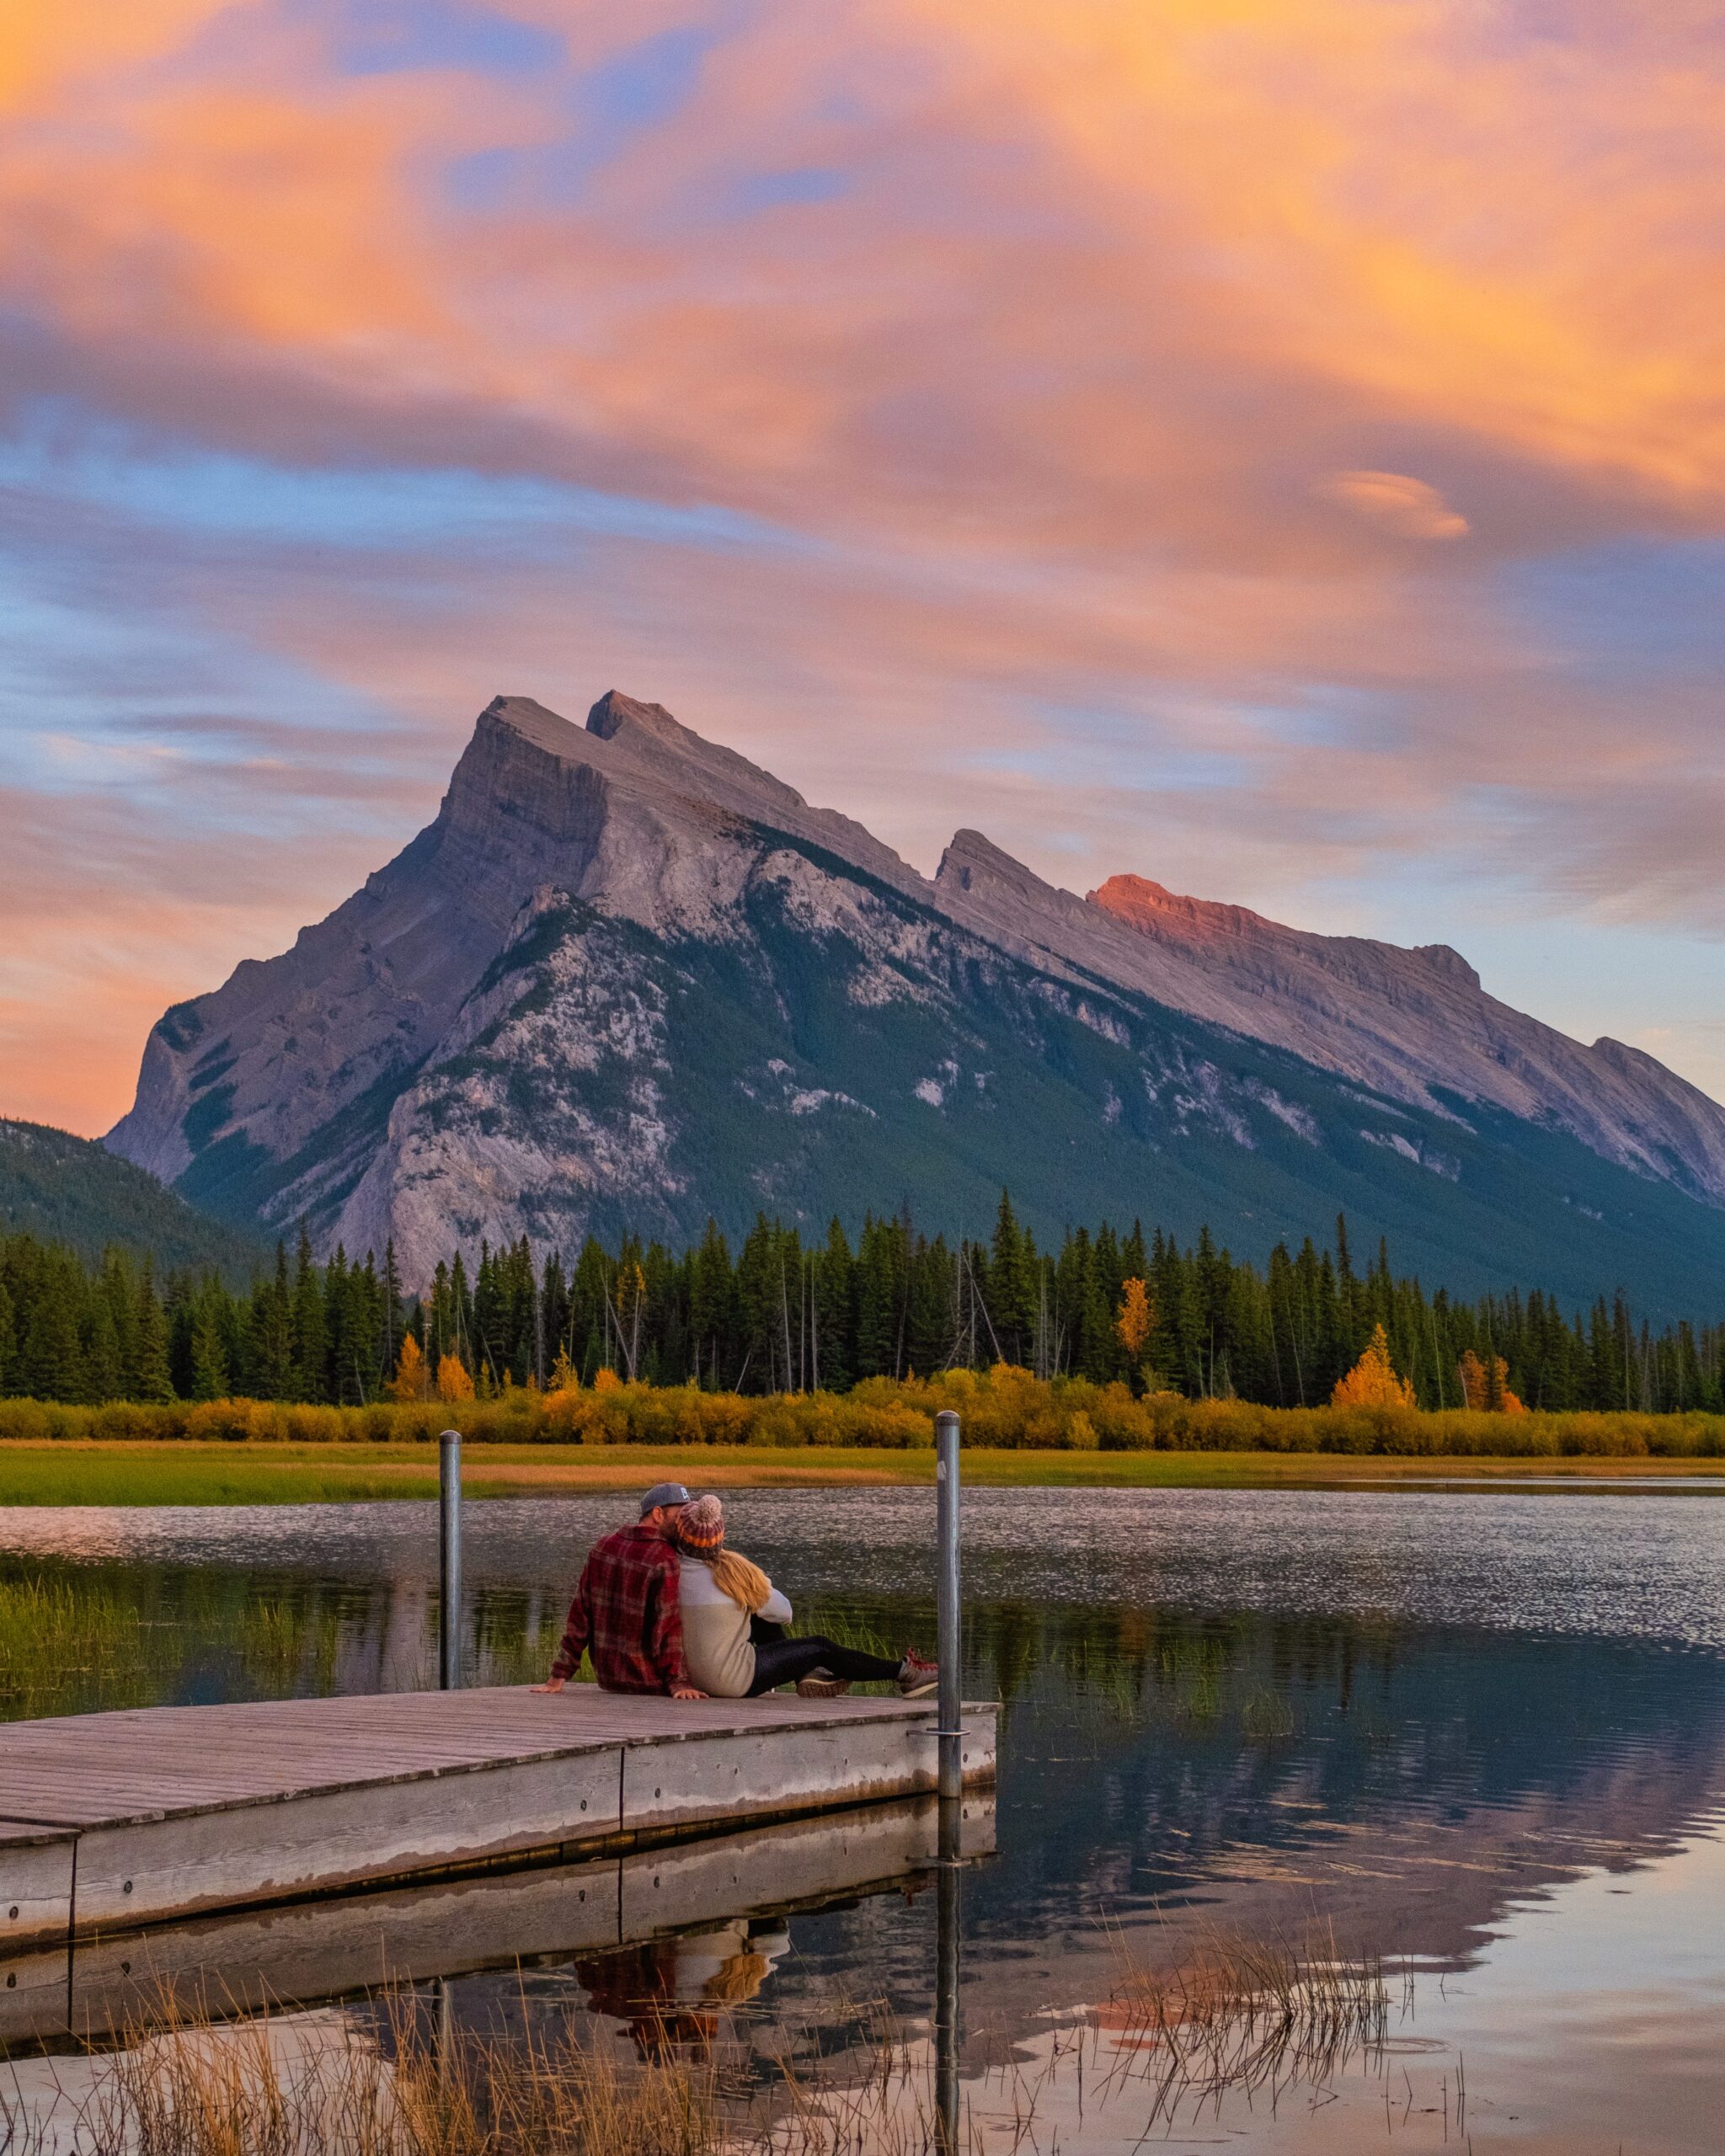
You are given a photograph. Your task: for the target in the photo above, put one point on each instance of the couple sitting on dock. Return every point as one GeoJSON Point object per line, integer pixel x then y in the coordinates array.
{"type": "Point", "coordinates": [663, 1606]}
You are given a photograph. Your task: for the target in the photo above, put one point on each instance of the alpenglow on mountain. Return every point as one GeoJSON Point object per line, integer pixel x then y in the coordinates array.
{"type": "Point", "coordinates": [627, 979]}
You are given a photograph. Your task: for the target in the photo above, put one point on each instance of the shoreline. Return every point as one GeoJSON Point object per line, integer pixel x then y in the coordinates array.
{"type": "Point", "coordinates": [155, 1471]}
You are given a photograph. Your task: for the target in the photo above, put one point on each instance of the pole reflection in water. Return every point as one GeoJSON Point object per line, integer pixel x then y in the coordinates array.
{"type": "Point", "coordinates": [947, 1914]}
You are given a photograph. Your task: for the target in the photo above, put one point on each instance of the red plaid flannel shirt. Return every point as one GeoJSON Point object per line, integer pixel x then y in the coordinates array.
{"type": "Point", "coordinates": [628, 1612]}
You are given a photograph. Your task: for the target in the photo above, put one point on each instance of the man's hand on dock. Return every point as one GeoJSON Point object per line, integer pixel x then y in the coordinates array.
{"type": "Point", "coordinates": [551, 1685]}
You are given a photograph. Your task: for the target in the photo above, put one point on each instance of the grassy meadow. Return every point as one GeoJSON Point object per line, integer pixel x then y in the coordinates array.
{"type": "Point", "coordinates": [1018, 1432]}
{"type": "Point", "coordinates": [188, 1473]}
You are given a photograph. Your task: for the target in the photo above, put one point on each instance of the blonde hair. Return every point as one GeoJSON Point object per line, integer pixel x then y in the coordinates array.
{"type": "Point", "coordinates": [737, 1981]}
{"type": "Point", "coordinates": [746, 1584]}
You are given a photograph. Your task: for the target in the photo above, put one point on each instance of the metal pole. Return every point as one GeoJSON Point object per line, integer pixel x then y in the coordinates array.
{"type": "Point", "coordinates": [449, 1520]}
{"type": "Point", "coordinates": [949, 1634]}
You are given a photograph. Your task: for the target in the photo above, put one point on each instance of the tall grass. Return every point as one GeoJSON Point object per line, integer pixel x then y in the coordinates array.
{"type": "Point", "coordinates": [56, 1638]}
{"type": "Point", "coordinates": [70, 1640]}
{"type": "Point", "coordinates": [1243, 2018]}
{"type": "Point", "coordinates": [319, 2086]}
{"type": "Point", "coordinates": [1006, 1408]}
{"type": "Point", "coordinates": [1246, 2016]}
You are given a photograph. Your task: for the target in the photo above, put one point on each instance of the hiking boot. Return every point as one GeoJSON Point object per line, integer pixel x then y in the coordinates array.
{"type": "Point", "coordinates": [916, 1677]}
{"type": "Point", "coordinates": [821, 1684]}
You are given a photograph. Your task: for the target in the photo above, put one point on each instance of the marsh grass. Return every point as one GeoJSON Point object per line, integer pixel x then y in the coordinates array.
{"type": "Point", "coordinates": [321, 2085]}
{"type": "Point", "coordinates": [70, 1640]}
{"type": "Point", "coordinates": [1252, 2019]}
{"type": "Point", "coordinates": [1245, 2017]}
{"type": "Point", "coordinates": [56, 1638]}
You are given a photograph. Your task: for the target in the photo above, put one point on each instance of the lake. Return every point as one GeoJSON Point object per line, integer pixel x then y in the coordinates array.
{"type": "Point", "coordinates": [1476, 1737]}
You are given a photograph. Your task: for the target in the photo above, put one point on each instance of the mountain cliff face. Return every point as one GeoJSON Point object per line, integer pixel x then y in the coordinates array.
{"type": "Point", "coordinates": [626, 979]}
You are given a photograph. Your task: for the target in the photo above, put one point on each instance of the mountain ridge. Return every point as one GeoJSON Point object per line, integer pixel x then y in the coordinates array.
{"type": "Point", "coordinates": [624, 967]}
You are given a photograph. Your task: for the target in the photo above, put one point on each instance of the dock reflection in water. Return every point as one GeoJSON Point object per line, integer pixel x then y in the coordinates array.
{"type": "Point", "coordinates": [636, 1936]}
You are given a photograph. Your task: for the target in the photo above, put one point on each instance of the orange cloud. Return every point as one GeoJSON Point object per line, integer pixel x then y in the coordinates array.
{"type": "Point", "coordinates": [1406, 506]}
{"type": "Point", "coordinates": [1127, 257]}
{"type": "Point", "coordinates": [47, 52]}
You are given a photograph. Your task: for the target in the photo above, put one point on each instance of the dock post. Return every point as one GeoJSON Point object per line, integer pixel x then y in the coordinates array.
{"type": "Point", "coordinates": [949, 1636]}
{"type": "Point", "coordinates": [449, 1520]}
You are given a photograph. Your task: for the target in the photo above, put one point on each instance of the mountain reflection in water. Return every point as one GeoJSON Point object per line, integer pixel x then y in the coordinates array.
{"type": "Point", "coordinates": [1477, 1735]}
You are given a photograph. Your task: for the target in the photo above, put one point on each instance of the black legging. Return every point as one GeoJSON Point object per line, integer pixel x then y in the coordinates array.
{"type": "Point", "coordinates": [782, 1662]}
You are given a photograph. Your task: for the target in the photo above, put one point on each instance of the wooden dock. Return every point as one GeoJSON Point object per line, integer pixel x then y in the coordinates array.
{"type": "Point", "coordinates": [115, 1821]}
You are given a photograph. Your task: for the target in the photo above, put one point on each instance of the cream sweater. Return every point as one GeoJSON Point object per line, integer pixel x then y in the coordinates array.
{"type": "Point", "coordinates": [715, 1644]}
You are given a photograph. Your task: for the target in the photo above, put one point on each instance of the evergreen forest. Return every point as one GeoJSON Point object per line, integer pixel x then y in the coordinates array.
{"type": "Point", "coordinates": [782, 1314]}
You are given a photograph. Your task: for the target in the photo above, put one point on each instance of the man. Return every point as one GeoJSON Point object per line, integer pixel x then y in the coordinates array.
{"type": "Point", "coordinates": [627, 1611]}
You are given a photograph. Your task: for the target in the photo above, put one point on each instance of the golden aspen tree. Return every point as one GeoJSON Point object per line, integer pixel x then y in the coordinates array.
{"type": "Point", "coordinates": [1486, 1389]}
{"type": "Point", "coordinates": [412, 1380]}
{"type": "Point", "coordinates": [1373, 1382]}
{"type": "Point", "coordinates": [1135, 1319]}
{"type": "Point", "coordinates": [453, 1382]}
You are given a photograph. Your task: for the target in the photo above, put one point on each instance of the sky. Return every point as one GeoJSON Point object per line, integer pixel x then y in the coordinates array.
{"type": "Point", "coordinates": [1274, 446]}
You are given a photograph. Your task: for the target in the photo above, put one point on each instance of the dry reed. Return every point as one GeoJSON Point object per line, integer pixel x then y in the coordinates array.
{"type": "Point", "coordinates": [1245, 2019]}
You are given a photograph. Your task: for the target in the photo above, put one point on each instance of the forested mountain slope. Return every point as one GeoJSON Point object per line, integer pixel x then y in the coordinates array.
{"type": "Point", "coordinates": [71, 1190]}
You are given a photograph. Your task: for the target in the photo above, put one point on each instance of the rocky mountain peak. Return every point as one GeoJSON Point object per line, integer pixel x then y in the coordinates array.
{"type": "Point", "coordinates": [614, 713]}
{"type": "Point", "coordinates": [975, 864]}
{"type": "Point", "coordinates": [627, 967]}
{"type": "Point", "coordinates": [1443, 959]}
{"type": "Point", "coordinates": [1153, 909]}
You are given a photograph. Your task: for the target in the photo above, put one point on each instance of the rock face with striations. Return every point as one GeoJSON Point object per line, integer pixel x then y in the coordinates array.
{"type": "Point", "coordinates": [627, 979]}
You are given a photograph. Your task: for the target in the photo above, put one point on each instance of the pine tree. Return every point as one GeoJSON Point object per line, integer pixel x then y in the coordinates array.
{"type": "Point", "coordinates": [389, 1327]}
{"type": "Point", "coordinates": [339, 1345]}
{"type": "Point", "coordinates": [209, 1363]}
{"type": "Point", "coordinates": [1098, 1349]}
{"type": "Point", "coordinates": [1010, 1258]}
{"type": "Point", "coordinates": [103, 1373]}
{"type": "Point", "coordinates": [555, 1328]}
{"type": "Point", "coordinates": [115, 1289]}
{"type": "Point", "coordinates": [53, 1359]}
{"type": "Point", "coordinates": [305, 1326]}
{"type": "Point", "coordinates": [878, 1300]}
{"type": "Point", "coordinates": [148, 1379]}
{"type": "Point", "coordinates": [270, 1359]}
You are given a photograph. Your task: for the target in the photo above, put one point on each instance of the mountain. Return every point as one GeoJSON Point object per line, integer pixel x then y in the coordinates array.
{"type": "Point", "coordinates": [73, 1190]}
{"type": "Point", "coordinates": [627, 979]}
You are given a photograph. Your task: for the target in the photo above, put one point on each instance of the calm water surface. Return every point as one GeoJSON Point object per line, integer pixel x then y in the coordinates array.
{"type": "Point", "coordinates": [1478, 1734]}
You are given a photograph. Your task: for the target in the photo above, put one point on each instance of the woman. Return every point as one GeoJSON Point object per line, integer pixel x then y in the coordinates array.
{"type": "Point", "coordinates": [729, 1603]}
